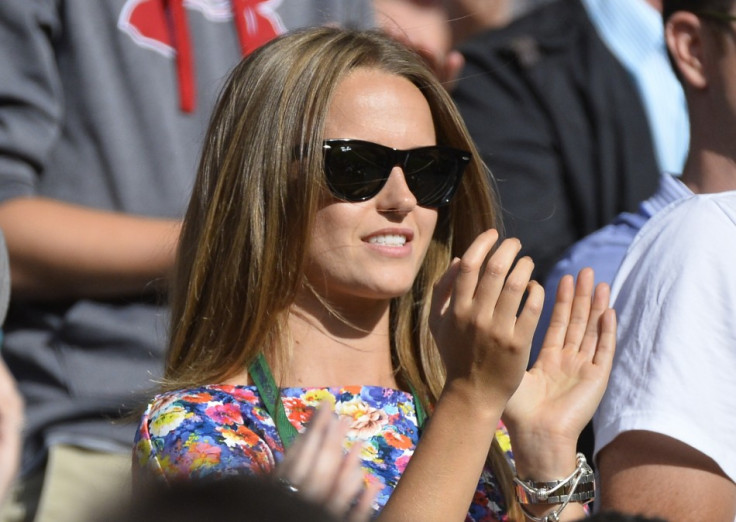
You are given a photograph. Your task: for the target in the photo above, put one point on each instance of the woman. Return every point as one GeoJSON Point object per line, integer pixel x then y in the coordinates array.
{"type": "Point", "coordinates": [356, 274]}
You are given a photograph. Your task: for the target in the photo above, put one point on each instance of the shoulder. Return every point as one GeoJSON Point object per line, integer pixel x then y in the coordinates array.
{"type": "Point", "coordinates": [548, 26]}
{"type": "Point", "coordinates": [679, 269]}
{"type": "Point", "coordinates": [697, 227]}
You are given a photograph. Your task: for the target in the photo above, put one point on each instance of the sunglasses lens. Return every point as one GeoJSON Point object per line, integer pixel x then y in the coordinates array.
{"type": "Point", "coordinates": [432, 175]}
{"type": "Point", "coordinates": [356, 171]}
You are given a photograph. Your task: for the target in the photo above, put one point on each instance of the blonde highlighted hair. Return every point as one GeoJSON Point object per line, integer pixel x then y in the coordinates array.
{"type": "Point", "coordinates": [246, 231]}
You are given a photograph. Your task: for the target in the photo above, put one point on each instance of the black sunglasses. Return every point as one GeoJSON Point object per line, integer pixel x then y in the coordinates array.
{"type": "Point", "coordinates": [357, 170]}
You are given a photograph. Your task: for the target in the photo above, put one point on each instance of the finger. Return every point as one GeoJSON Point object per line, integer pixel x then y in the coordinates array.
{"type": "Point", "coordinates": [580, 312]}
{"type": "Point", "coordinates": [442, 291]}
{"type": "Point", "coordinates": [555, 335]}
{"type": "Point", "coordinates": [349, 483]}
{"type": "Point", "coordinates": [528, 319]}
{"type": "Point", "coordinates": [363, 509]}
{"type": "Point", "coordinates": [300, 457]}
{"type": "Point", "coordinates": [469, 269]}
{"type": "Point", "coordinates": [493, 279]}
{"type": "Point", "coordinates": [606, 346]}
{"type": "Point", "coordinates": [321, 481]}
{"type": "Point", "coordinates": [599, 306]}
{"type": "Point", "coordinates": [512, 292]}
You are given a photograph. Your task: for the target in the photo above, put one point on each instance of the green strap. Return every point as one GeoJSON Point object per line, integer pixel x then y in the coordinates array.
{"type": "Point", "coordinates": [269, 392]}
{"type": "Point", "coordinates": [266, 385]}
{"type": "Point", "coordinates": [421, 414]}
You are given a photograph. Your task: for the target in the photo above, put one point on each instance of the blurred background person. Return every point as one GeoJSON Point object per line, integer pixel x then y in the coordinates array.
{"type": "Point", "coordinates": [557, 102]}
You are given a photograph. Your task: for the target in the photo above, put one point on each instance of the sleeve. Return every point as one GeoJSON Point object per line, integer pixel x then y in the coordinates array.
{"type": "Point", "coordinates": [30, 92]}
{"type": "Point", "coordinates": [516, 140]}
{"type": "Point", "coordinates": [195, 436]}
{"type": "Point", "coordinates": [676, 355]}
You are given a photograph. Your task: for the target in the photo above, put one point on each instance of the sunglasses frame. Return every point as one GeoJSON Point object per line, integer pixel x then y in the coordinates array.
{"type": "Point", "coordinates": [398, 158]}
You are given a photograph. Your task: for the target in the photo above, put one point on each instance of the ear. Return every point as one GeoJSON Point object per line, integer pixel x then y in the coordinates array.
{"type": "Point", "coordinates": [684, 37]}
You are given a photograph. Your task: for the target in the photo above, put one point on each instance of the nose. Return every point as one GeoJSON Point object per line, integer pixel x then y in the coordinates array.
{"type": "Point", "coordinates": [395, 195]}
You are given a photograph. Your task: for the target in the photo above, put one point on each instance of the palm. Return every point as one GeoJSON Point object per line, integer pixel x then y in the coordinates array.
{"type": "Point", "coordinates": [562, 390]}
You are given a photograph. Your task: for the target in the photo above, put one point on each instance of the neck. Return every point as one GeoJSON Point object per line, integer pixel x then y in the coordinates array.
{"type": "Point", "coordinates": [339, 347]}
{"type": "Point", "coordinates": [710, 165]}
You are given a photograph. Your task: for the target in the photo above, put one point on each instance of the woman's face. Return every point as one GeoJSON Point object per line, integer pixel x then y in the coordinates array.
{"type": "Point", "coordinates": [373, 249]}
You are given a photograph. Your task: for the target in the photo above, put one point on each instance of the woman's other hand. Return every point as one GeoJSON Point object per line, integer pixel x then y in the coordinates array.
{"type": "Point", "coordinates": [484, 343]}
{"type": "Point", "coordinates": [319, 469]}
{"type": "Point", "coordinates": [559, 395]}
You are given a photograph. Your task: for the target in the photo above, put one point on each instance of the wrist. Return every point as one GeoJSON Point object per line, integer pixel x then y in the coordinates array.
{"type": "Point", "coordinates": [544, 501]}
{"type": "Point", "coordinates": [473, 401]}
{"type": "Point", "coordinates": [542, 456]}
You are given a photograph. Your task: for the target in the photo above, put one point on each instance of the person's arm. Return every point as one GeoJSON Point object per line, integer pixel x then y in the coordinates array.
{"type": "Point", "coordinates": [655, 475]}
{"type": "Point", "coordinates": [485, 348]}
{"type": "Point", "coordinates": [59, 250]}
{"type": "Point", "coordinates": [11, 426]}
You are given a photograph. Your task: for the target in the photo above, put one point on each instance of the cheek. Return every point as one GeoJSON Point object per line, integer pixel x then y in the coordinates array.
{"type": "Point", "coordinates": [334, 226]}
{"type": "Point", "coordinates": [427, 221]}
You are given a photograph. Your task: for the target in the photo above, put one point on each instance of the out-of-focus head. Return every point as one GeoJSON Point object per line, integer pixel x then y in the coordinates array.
{"type": "Point", "coordinates": [261, 181]}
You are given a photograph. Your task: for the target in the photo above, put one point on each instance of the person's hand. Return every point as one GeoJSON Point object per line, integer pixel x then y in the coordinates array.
{"type": "Point", "coordinates": [559, 395]}
{"type": "Point", "coordinates": [11, 425]}
{"type": "Point", "coordinates": [484, 344]}
{"type": "Point", "coordinates": [318, 468]}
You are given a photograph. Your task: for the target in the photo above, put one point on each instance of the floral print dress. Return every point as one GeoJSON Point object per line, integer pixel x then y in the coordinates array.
{"type": "Point", "coordinates": [224, 429]}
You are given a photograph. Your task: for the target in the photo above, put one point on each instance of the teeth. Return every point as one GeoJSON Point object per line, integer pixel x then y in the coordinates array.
{"type": "Point", "coordinates": [390, 240]}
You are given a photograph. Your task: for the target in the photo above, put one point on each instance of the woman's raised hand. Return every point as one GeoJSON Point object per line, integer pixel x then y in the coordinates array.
{"type": "Point", "coordinates": [559, 395]}
{"type": "Point", "coordinates": [484, 343]}
{"type": "Point", "coordinates": [319, 469]}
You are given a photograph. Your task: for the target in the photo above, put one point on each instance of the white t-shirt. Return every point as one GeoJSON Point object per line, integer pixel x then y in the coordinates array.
{"type": "Point", "coordinates": [674, 372]}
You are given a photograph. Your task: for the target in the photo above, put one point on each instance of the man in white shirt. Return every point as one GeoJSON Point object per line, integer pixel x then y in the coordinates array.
{"type": "Point", "coordinates": [664, 430]}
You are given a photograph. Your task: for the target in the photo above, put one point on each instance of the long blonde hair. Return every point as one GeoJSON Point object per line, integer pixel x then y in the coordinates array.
{"type": "Point", "coordinates": [246, 231]}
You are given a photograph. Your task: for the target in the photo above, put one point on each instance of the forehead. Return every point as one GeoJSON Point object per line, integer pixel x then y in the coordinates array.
{"type": "Point", "coordinates": [374, 105]}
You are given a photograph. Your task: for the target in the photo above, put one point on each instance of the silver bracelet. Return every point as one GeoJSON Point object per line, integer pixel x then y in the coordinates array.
{"type": "Point", "coordinates": [579, 486]}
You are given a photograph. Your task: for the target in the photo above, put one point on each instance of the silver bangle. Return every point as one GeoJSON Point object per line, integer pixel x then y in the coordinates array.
{"type": "Point", "coordinates": [579, 486]}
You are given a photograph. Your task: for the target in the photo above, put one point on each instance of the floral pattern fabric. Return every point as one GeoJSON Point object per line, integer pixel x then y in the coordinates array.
{"type": "Point", "coordinates": [221, 430]}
